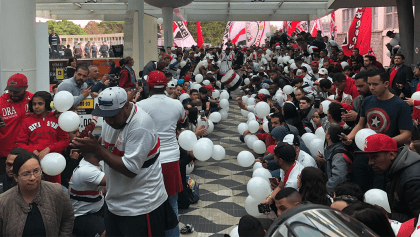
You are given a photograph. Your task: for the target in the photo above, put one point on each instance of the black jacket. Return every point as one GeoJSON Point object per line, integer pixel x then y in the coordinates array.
{"type": "Point", "coordinates": [404, 186]}
{"type": "Point", "coordinates": [403, 76]}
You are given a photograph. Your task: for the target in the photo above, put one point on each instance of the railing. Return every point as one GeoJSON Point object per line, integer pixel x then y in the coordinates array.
{"type": "Point", "coordinates": [111, 39]}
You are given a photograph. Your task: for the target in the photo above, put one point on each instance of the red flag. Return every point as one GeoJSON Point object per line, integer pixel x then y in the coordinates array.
{"type": "Point", "coordinates": [359, 33]}
{"type": "Point", "coordinates": [317, 26]}
{"type": "Point", "coordinates": [291, 26]}
{"type": "Point", "coordinates": [333, 27]}
{"type": "Point", "coordinates": [199, 35]}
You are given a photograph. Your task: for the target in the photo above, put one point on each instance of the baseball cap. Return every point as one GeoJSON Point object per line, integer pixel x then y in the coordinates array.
{"type": "Point", "coordinates": [170, 85]}
{"type": "Point", "coordinates": [17, 82]}
{"type": "Point", "coordinates": [285, 152]}
{"type": "Point", "coordinates": [168, 56]}
{"type": "Point", "coordinates": [389, 33]}
{"type": "Point", "coordinates": [379, 142]}
{"type": "Point", "coordinates": [187, 78]}
{"type": "Point", "coordinates": [110, 102]}
{"type": "Point", "coordinates": [323, 71]}
{"type": "Point", "coordinates": [291, 139]}
{"type": "Point", "coordinates": [180, 81]}
{"type": "Point", "coordinates": [209, 88]}
{"type": "Point", "coordinates": [156, 79]}
{"type": "Point", "coordinates": [210, 57]}
{"type": "Point", "coordinates": [314, 62]}
{"type": "Point", "coordinates": [261, 97]}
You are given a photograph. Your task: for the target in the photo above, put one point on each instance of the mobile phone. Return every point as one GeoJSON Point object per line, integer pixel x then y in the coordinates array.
{"type": "Point", "coordinates": [320, 153]}
{"type": "Point", "coordinates": [317, 103]}
{"type": "Point", "coordinates": [202, 113]}
{"type": "Point", "coordinates": [342, 137]}
{"type": "Point", "coordinates": [343, 110]}
{"type": "Point", "coordinates": [263, 208]}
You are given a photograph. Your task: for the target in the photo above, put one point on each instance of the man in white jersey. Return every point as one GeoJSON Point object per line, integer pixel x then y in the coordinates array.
{"type": "Point", "coordinates": [166, 112]}
{"type": "Point", "coordinates": [136, 197]}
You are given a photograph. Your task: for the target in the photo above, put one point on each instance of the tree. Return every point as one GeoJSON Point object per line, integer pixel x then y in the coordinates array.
{"type": "Point", "coordinates": [212, 31]}
{"type": "Point", "coordinates": [65, 28]}
{"type": "Point", "coordinates": [112, 27]}
{"type": "Point", "coordinates": [273, 28]}
{"type": "Point", "coordinates": [92, 28]}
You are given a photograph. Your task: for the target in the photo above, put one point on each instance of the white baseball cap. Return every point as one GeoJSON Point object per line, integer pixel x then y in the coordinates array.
{"type": "Point", "coordinates": [110, 102]}
{"type": "Point", "coordinates": [323, 71]}
{"type": "Point", "coordinates": [170, 84]}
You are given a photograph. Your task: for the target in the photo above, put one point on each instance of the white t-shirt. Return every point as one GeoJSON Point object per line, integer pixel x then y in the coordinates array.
{"type": "Point", "coordinates": [201, 63]}
{"type": "Point", "coordinates": [306, 160]}
{"type": "Point", "coordinates": [293, 175]}
{"type": "Point", "coordinates": [86, 177]}
{"type": "Point", "coordinates": [136, 143]}
{"type": "Point", "coordinates": [165, 112]}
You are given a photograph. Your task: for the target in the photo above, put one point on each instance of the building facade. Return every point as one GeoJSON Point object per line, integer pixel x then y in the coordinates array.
{"type": "Point", "coordinates": [383, 20]}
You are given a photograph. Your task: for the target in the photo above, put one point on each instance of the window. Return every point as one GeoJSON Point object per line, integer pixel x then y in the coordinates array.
{"type": "Point", "coordinates": [374, 18]}
{"type": "Point", "coordinates": [391, 17]}
{"type": "Point", "coordinates": [348, 15]}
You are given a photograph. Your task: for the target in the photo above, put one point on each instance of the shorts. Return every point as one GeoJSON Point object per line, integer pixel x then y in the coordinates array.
{"type": "Point", "coordinates": [172, 178]}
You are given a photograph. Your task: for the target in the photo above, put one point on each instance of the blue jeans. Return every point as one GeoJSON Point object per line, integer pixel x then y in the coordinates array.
{"type": "Point", "coordinates": [173, 200]}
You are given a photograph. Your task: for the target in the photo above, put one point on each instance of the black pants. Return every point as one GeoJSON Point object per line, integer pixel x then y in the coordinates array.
{"type": "Point", "coordinates": [161, 219]}
{"type": "Point", "coordinates": [91, 224]}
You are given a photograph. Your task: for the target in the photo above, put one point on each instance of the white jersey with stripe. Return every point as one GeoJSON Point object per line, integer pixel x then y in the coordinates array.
{"type": "Point", "coordinates": [136, 143]}
{"type": "Point", "coordinates": [166, 113]}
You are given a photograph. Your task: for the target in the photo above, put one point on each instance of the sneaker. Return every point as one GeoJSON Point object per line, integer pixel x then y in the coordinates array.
{"type": "Point", "coordinates": [187, 229]}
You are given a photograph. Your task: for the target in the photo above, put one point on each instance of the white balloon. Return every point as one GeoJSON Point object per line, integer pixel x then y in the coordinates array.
{"type": "Point", "coordinates": [259, 147]}
{"type": "Point", "coordinates": [264, 91]}
{"type": "Point", "coordinates": [234, 232]}
{"type": "Point", "coordinates": [224, 103]}
{"type": "Point", "coordinates": [196, 86]}
{"type": "Point", "coordinates": [253, 126]}
{"type": "Point", "coordinates": [245, 158]}
{"type": "Point", "coordinates": [257, 165]}
{"type": "Point", "coordinates": [223, 114]}
{"type": "Point", "coordinates": [258, 188]}
{"type": "Point", "coordinates": [218, 152]}
{"type": "Point", "coordinates": [215, 94]}
{"type": "Point", "coordinates": [250, 141]}
{"type": "Point", "coordinates": [53, 163]}
{"type": "Point", "coordinates": [203, 149]}
{"type": "Point", "coordinates": [378, 197]}
{"type": "Point", "coordinates": [393, 42]}
{"type": "Point", "coordinates": [308, 137]}
{"type": "Point", "coordinates": [224, 95]}
{"type": "Point", "coordinates": [198, 78]}
{"type": "Point", "coordinates": [361, 136]}
{"type": "Point", "coordinates": [244, 99]}
{"type": "Point", "coordinates": [200, 123]}
{"type": "Point", "coordinates": [265, 127]}
{"type": "Point", "coordinates": [206, 82]}
{"type": "Point", "coordinates": [262, 109]}
{"type": "Point", "coordinates": [251, 206]}
{"type": "Point", "coordinates": [189, 168]}
{"type": "Point", "coordinates": [293, 66]}
{"type": "Point", "coordinates": [242, 127]}
{"type": "Point", "coordinates": [320, 133]}
{"type": "Point", "coordinates": [288, 89]}
{"type": "Point", "coordinates": [159, 21]}
{"type": "Point", "coordinates": [210, 127]}
{"type": "Point", "coordinates": [63, 101]}
{"type": "Point", "coordinates": [187, 139]}
{"type": "Point", "coordinates": [251, 116]}
{"type": "Point", "coordinates": [227, 109]}
{"type": "Point", "coordinates": [251, 101]}
{"type": "Point", "coordinates": [263, 173]}
{"type": "Point", "coordinates": [414, 96]}
{"type": "Point", "coordinates": [69, 121]}
{"type": "Point", "coordinates": [246, 81]}
{"type": "Point", "coordinates": [183, 63]}
{"type": "Point", "coordinates": [325, 105]}
{"type": "Point", "coordinates": [286, 59]}
{"type": "Point", "coordinates": [184, 96]}
{"type": "Point", "coordinates": [215, 117]}
{"type": "Point", "coordinates": [315, 146]}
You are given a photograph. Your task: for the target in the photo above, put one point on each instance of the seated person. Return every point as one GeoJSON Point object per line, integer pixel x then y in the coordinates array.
{"type": "Point", "coordinates": [7, 178]}
{"type": "Point", "coordinates": [285, 199]}
{"type": "Point", "coordinates": [85, 190]}
{"type": "Point", "coordinates": [250, 226]}
{"type": "Point", "coordinates": [346, 194]}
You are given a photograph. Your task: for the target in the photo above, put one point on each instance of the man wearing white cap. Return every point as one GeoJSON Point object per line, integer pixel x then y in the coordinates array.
{"type": "Point", "coordinates": [170, 87]}
{"type": "Point", "coordinates": [136, 198]}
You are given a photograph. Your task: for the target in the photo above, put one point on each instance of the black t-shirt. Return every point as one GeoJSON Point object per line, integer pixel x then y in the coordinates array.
{"type": "Point", "coordinates": [387, 117]}
{"type": "Point", "coordinates": [34, 225]}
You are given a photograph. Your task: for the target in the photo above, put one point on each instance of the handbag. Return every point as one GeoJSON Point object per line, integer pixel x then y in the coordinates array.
{"type": "Point", "coordinates": [193, 190]}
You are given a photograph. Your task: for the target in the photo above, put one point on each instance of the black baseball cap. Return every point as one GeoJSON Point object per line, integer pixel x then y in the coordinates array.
{"type": "Point", "coordinates": [285, 152]}
{"type": "Point", "coordinates": [389, 33]}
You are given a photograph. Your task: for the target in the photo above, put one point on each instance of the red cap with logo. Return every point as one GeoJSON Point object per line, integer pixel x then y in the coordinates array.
{"type": "Point", "coordinates": [187, 78]}
{"type": "Point", "coordinates": [156, 79]}
{"type": "Point", "coordinates": [209, 88]}
{"type": "Point", "coordinates": [17, 82]}
{"type": "Point", "coordinates": [379, 142]}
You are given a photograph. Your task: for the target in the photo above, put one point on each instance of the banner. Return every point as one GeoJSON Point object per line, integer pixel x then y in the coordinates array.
{"type": "Point", "coordinates": [296, 26]}
{"type": "Point", "coordinates": [333, 27]}
{"type": "Point", "coordinates": [317, 26]}
{"type": "Point", "coordinates": [199, 35]}
{"type": "Point", "coordinates": [256, 32]}
{"type": "Point", "coordinates": [235, 31]}
{"type": "Point", "coordinates": [182, 37]}
{"type": "Point", "coordinates": [359, 33]}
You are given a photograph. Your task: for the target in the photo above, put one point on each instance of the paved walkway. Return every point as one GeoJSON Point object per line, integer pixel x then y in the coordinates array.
{"type": "Point", "coordinates": [222, 183]}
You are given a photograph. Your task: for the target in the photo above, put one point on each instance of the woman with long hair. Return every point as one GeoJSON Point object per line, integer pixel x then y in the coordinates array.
{"type": "Point", "coordinates": [312, 186]}
{"type": "Point", "coordinates": [292, 117]}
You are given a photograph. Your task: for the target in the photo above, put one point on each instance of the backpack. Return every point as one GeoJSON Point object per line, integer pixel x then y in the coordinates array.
{"type": "Point", "coordinates": [348, 156]}
{"type": "Point", "coordinates": [193, 190]}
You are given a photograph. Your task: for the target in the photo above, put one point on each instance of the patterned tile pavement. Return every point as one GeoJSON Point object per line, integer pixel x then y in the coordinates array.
{"type": "Point", "coordinates": [222, 183]}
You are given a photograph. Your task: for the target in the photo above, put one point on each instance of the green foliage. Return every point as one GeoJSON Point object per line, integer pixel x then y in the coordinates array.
{"type": "Point", "coordinates": [112, 27]}
{"type": "Point", "coordinates": [65, 28]}
{"type": "Point", "coordinates": [212, 31]}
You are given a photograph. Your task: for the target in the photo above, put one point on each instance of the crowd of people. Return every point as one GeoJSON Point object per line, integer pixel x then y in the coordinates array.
{"type": "Point", "coordinates": [131, 180]}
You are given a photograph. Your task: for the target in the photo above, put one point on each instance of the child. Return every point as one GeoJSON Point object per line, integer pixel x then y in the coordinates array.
{"type": "Point", "coordinates": [40, 132]}
{"type": "Point", "coordinates": [316, 120]}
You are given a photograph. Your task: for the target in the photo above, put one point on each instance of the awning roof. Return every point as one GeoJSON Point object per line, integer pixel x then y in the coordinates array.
{"type": "Point", "coordinates": [199, 10]}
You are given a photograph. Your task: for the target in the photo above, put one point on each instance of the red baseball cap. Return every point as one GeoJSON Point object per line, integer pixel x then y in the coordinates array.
{"type": "Point", "coordinates": [187, 78]}
{"type": "Point", "coordinates": [277, 44]}
{"type": "Point", "coordinates": [156, 79]}
{"type": "Point", "coordinates": [168, 56]}
{"type": "Point", "coordinates": [314, 62]}
{"type": "Point", "coordinates": [379, 142]}
{"type": "Point", "coordinates": [270, 149]}
{"type": "Point", "coordinates": [209, 88]}
{"type": "Point", "coordinates": [17, 82]}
